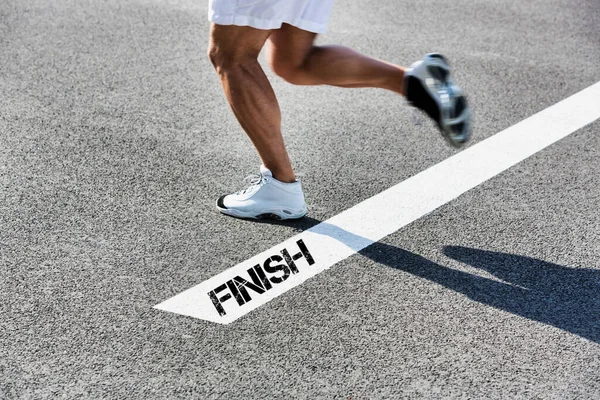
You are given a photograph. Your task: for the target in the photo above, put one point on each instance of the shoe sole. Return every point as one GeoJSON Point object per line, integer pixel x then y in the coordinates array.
{"type": "Point", "coordinates": [446, 130]}
{"type": "Point", "coordinates": [277, 215]}
{"type": "Point", "coordinates": [445, 124]}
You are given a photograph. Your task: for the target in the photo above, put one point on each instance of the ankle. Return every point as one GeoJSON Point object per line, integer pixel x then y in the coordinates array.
{"type": "Point", "coordinates": [285, 174]}
{"type": "Point", "coordinates": [285, 178]}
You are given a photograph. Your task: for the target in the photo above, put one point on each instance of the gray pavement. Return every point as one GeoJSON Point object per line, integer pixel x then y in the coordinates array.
{"type": "Point", "coordinates": [115, 140]}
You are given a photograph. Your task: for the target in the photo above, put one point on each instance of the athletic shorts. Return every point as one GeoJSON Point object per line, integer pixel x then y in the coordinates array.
{"type": "Point", "coordinates": [309, 15]}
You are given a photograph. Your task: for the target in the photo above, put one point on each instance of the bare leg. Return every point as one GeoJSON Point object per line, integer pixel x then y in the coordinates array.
{"type": "Point", "coordinates": [294, 57]}
{"type": "Point", "coordinates": [233, 51]}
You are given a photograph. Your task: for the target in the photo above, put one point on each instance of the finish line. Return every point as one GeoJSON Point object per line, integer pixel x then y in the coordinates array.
{"type": "Point", "coordinates": [252, 283]}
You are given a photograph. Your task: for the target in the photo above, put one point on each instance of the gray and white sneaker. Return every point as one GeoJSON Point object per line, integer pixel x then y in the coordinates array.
{"type": "Point", "coordinates": [266, 197]}
{"type": "Point", "coordinates": [429, 88]}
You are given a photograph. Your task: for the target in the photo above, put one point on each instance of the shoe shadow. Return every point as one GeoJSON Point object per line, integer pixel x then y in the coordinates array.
{"type": "Point", "coordinates": [564, 297]}
{"type": "Point", "coordinates": [300, 224]}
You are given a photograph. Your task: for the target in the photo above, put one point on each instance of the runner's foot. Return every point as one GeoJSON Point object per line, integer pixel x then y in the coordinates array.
{"type": "Point", "coordinates": [266, 197]}
{"type": "Point", "coordinates": [429, 88]}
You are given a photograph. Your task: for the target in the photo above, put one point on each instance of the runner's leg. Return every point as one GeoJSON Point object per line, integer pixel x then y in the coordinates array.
{"type": "Point", "coordinates": [234, 50]}
{"type": "Point", "coordinates": [294, 57]}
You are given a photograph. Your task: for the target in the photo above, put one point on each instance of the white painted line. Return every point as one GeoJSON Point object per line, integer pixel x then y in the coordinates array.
{"type": "Point", "coordinates": [252, 283]}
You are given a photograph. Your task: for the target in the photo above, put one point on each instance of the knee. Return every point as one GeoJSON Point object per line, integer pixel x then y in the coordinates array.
{"type": "Point", "coordinates": [224, 60]}
{"type": "Point", "coordinates": [220, 58]}
{"type": "Point", "coordinates": [214, 55]}
{"type": "Point", "coordinates": [287, 70]}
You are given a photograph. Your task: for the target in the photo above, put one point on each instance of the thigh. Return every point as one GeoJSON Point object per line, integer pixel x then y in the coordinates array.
{"type": "Point", "coordinates": [290, 45]}
{"type": "Point", "coordinates": [234, 41]}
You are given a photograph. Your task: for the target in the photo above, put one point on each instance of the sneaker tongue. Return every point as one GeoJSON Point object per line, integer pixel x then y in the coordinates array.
{"type": "Point", "coordinates": [264, 171]}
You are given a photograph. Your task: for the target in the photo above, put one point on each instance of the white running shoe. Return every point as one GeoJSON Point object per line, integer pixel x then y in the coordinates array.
{"type": "Point", "coordinates": [429, 88]}
{"type": "Point", "coordinates": [266, 197]}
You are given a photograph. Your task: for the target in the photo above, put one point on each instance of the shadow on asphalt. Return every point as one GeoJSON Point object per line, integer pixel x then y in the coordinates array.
{"type": "Point", "coordinates": [564, 297]}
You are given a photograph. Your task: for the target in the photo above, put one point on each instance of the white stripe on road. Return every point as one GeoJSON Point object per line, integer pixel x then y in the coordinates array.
{"type": "Point", "coordinates": [250, 284]}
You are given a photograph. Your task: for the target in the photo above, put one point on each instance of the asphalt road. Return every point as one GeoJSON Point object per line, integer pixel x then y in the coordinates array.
{"type": "Point", "coordinates": [115, 141]}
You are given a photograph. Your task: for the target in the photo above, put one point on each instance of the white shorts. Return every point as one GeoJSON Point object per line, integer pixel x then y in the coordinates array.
{"type": "Point", "coordinates": [309, 15]}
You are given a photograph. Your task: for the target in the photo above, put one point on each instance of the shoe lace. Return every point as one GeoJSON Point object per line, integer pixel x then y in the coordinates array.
{"type": "Point", "coordinates": [252, 180]}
